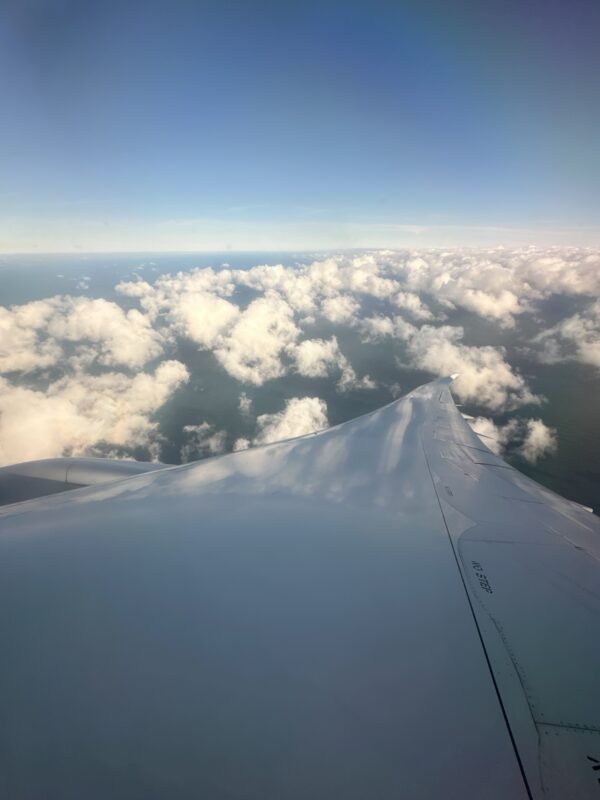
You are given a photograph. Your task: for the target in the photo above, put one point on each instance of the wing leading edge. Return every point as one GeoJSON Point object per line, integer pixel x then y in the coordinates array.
{"type": "Point", "coordinates": [381, 609]}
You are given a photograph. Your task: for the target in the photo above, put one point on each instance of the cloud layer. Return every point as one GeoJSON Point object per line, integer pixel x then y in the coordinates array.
{"type": "Point", "coordinates": [84, 374]}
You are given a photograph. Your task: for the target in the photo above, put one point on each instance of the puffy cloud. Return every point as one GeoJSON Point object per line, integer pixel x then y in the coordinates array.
{"type": "Point", "coordinates": [78, 412]}
{"type": "Point", "coordinates": [203, 317]}
{"type": "Point", "coordinates": [534, 438]}
{"type": "Point", "coordinates": [412, 303]}
{"type": "Point", "coordinates": [202, 440]}
{"type": "Point", "coordinates": [24, 347]}
{"type": "Point", "coordinates": [32, 333]}
{"type": "Point", "coordinates": [501, 306]}
{"type": "Point", "coordinates": [364, 276]}
{"type": "Point", "coordinates": [483, 282]}
{"type": "Point", "coordinates": [248, 343]}
{"type": "Point", "coordinates": [401, 293]}
{"type": "Point", "coordinates": [341, 308]}
{"type": "Point", "coordinates": [166, 292]}
{"type": "Point", "coordinates": [540, 440]}
{"type": "Point", "coordinates": [568, 271]}
{"type": "Point", "coordinates": [350, 381]}
{"type": "Point", "coordinates": [291, 283]}
{"type": "Point", "coordinates": [575, 338]}
{"type": "Point", "coordinates": [122, 338]}
{"type": "Point", "coordinates": [134, 288]}
{"type": "Point", "coordinates": [315, 357]}
{"type": "Point", "coordinates": [301, 415]}
{"type": "Point", "coordinates": [497, 283]}
{"type": "Point", "coordinates": [496, 437]}
{"type": "Point", "coordinates": [251, 350]}
{"type": "Point", "coordinates": [484, 376]}
{"type": "Point", "coordinates": [374, 328]}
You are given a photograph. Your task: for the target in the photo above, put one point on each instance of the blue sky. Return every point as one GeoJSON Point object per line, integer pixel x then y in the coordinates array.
{"type": "Point", "coordinates": [258, 125]}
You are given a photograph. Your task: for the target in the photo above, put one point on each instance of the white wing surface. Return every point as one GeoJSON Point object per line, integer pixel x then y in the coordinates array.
{"type": "Point", "coordinates": [381, 610]}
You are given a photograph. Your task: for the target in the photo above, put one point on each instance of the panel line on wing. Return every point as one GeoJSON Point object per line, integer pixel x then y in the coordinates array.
{"type": "Point", "coordinates": [479, 634]}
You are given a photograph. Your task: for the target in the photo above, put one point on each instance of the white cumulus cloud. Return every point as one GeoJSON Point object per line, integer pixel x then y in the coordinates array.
{"type": "Point", "coordinates": [32, 335]}
{"type": "Point", "coordinates": [24, 346]}
{"type": "Point", "coordinates": [252, 349]}
{"type": "Point", "coordinates": [315, 357]}
{"type": "Point", "coordinates": [575, 338]}
{"type": "Point", "coordinates": [484, 375]}
{"type": "Point", "coordinates": [301, 415]}
{"type": "Point", "coordinates": [534, 438]}
{"type": "Point", "coordinates": [269, 321]}
{"type": "Point", "coordinates": [78, 412]}
{"type": "Point", "coordinates": [121, 338]}
{"type": "Point", "coordinates": [539, 441]}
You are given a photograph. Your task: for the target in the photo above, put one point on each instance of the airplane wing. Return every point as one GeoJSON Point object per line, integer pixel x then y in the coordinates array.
{"type": "Point", "coordinates": [384, 609]}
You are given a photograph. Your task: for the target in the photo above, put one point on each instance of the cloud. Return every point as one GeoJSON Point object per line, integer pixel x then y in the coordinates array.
{"type": "Point", "coordinates": [341, 308]}
{"type": "Point", "coordinates": [299, 417]}
{"type": "Point", "coordinates": [79, 412]}
{"type": "Point", "coordinates": [248, 343]}
{"type": "Point", "coordinates": [202, 440]}
{"type": "Point", "coordinates": [411, 302]}
{"type": "Point", "coordinates": [33, 333]}
{"type": "Point", "coordinates": [364, 276]}
{"type": "Point", "coordinates": [575, 338]}
{"type": "Point", "coordinates": [251, 350]}
{"type": "Point", "coordinates": [316, 358]}
{"type": "Point", "coordinates": [295, 286]}
{"type": "Point", "coordinates": [256, 324]}
{"type": "Point", "coordinates": [350, 381]}
{"type": "Point", "coordinates": [244, 404]}
{"type": "Point", "coordinates": [374, 328]}
{"type": "Point", "coordinates": [24, 347]}
{"type": "Point", "coordinates": [496, 437]}
{"type": "Point", "coordinates": [203, 317]}
{"type": "Point", "coordinates": [534, 438]}
{"type": "Point", "coordinates": [484, 376]}
{"type": "Point", "coordinates": [166, 292]}
{"type": "Point", "coordinates": [134, 289]}
{"type": "Point", "coordinates": [122, 338]}
{"type": "Point", "coordinates": [497, 284]}
{"type": "Point", "coordinates": [539, 441]}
